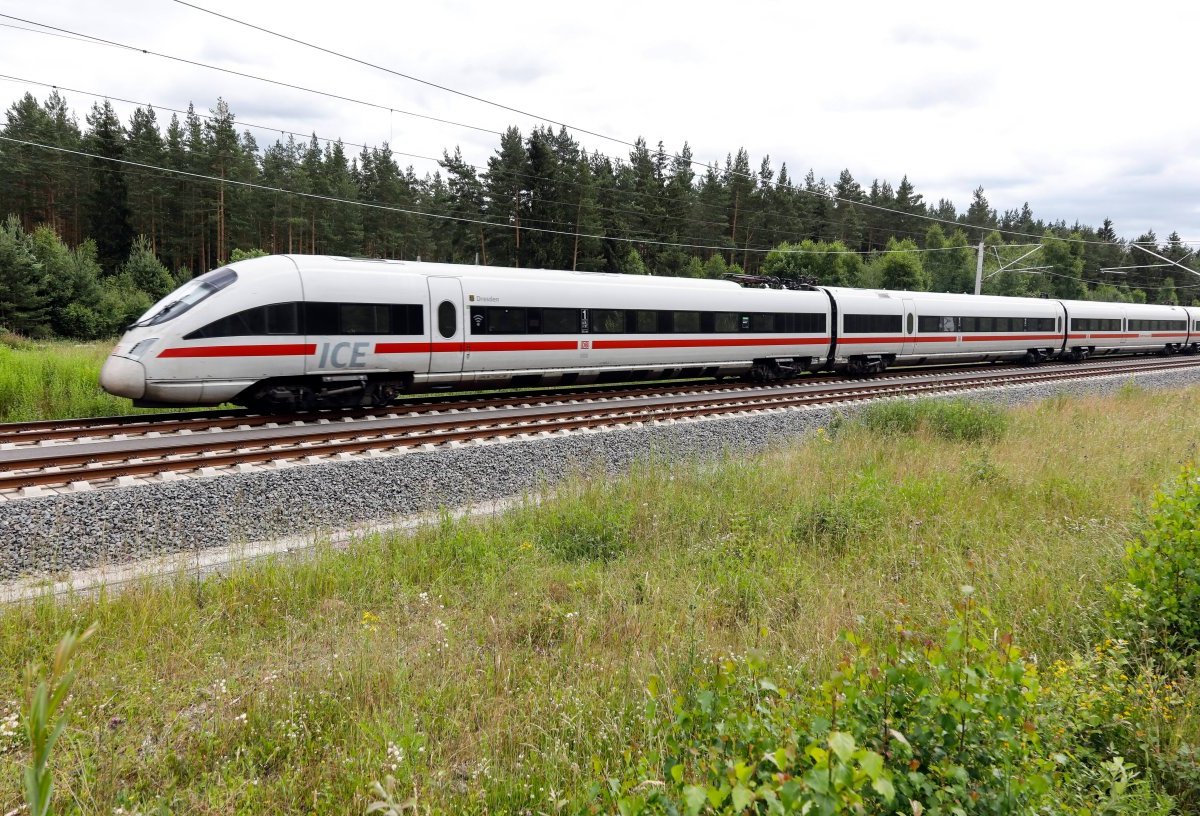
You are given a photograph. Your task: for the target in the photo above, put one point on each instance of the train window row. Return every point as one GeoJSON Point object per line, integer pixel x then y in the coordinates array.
{"type": "Point", "coordinates": [931, 324]}
{"type": "Point", "coordinates": [1095, 324]}
{"type": "Point", "coordinates": [1158, 325]}
{"type": "Point", "coordinates": [532, 320]}
{"type": "Point", "coordinates": [317, 318]}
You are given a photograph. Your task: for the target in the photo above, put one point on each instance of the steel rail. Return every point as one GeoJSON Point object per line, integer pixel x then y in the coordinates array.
{"type": "Point", "coordinates": [95, 462]}
{"type": "Point", "coordinates": [33, 432]}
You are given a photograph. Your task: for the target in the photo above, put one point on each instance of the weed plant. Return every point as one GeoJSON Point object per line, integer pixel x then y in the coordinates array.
{"type": "Point", "coordinates": [502, 665]}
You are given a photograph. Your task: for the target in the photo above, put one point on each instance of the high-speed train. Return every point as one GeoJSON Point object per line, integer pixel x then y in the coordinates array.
{"type": "Point", "coordinates": [293, 331]}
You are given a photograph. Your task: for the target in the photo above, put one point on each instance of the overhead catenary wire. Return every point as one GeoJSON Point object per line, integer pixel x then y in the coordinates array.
{"type": "Point", "coordinates": [747, 176]}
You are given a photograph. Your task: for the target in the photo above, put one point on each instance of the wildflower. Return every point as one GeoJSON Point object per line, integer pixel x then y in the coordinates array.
{"type": "Point", "coordinates": [395, 756]}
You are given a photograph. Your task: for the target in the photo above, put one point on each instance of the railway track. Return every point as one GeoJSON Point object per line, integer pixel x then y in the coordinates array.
{"type": "Point", "coordinates": [78, 455]}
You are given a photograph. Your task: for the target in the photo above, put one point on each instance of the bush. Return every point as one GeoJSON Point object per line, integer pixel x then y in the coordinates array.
{"type": "Point", "coordinates": [945, 726]}
{"type": "Point", "coordinates": [954, 420]}
{"type": "Point", "coordinates": [1161, 594]}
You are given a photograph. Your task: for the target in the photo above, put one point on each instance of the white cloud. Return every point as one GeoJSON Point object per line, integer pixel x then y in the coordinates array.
{"type": "Point", "coordinates": [1084, 111]}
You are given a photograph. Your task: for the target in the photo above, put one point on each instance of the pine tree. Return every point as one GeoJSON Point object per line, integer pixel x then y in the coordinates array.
{"type": "Point", "coordinates": [24, 303]}
{"type": "Point", "coordinates": [108, 203]}
{"type": "Point", "coordinates": [146, 189]}
{"type": "Point", "coordinates": [507, 196]}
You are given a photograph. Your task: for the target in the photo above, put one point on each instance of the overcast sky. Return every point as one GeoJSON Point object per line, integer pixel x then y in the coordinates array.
{"type": "Point", "coordinates": [1085, 110]}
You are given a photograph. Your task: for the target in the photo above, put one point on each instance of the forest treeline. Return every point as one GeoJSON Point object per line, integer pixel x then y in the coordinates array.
{"type": "Point", "coordinates": [89, 242]}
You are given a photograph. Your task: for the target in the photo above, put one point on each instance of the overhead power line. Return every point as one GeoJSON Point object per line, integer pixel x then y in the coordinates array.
{"type": "Point", "coordinates": [244, 75]}
{"type": "Point", "coordinates": [747, 176]}
{"type": "Point", "coordinates": [607, 137]}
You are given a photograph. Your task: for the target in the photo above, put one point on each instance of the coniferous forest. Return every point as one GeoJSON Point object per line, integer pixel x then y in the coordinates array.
{"type": "Point", "coordinates": [122, 212]}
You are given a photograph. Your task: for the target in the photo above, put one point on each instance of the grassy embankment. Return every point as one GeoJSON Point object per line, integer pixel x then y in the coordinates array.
{"type": "Point", "coordinates": [502, 665]}
{"type": "Point", "coordinates": [54, 380]}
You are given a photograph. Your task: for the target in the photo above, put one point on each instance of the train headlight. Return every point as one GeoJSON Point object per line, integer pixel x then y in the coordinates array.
{"type": "Point", "coordinates": [141, 347]}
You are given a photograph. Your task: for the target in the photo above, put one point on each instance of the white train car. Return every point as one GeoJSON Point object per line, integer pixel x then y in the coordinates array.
{"type": "Point", "coordinates": [1112, 328]}
{"type": "Point", "coordinates": [879, 328]}
{"type": "Point", "coordinates": [303, 331]}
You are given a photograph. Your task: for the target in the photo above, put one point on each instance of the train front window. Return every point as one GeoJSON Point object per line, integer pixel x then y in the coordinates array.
{"type": "Point", "coordinates": [186, 296]}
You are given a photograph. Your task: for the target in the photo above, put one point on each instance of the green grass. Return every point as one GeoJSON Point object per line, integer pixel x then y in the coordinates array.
{"type": "Point", "coordinates": [54, 380]}
{"type": "Point", "coordinates": [498, 666]}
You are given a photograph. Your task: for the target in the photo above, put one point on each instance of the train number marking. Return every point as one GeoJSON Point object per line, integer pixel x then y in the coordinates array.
{"type": "Point", "coordinates": [344, 355]}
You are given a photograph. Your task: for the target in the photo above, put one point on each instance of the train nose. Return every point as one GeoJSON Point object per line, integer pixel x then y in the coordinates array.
{"type": "Point", "coordinates": [123, 377]}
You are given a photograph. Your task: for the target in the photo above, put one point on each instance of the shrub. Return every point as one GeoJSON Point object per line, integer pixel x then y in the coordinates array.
{"type": "Point", "coordinates": [1161, 593]}
{"type": "Point", "coordinates": [945, 726]}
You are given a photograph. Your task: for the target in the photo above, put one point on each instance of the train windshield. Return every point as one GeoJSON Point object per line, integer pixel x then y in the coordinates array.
{"type": "Point", "coordinates": [186, 296]}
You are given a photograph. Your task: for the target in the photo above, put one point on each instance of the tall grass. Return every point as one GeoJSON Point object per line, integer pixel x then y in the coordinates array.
{"type": "Point", "coordinates": [493, 666]}
{"type": "Point", "coordinates": [54, 380]}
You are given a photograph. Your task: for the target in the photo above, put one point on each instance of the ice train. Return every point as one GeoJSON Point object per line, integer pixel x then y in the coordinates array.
{"type": "Point", "coordinates": [289, 332]}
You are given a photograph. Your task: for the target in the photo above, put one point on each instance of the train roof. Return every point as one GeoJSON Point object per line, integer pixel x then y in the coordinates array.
{"type": "Point", "coordinates": [316, 263]}
{"type": "Point", "coordinates": [948, 297]}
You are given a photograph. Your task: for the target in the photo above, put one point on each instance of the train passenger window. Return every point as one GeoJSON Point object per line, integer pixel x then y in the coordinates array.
{"type": "Point", "coordinates": [643, 321]}
{"type": "Point", "coordinates": [447, 319]}
{"type": "Point", "coordinates": [909, 323]}
{"type": "Point", "coordinates": [281, 318]}
{"type": "Point", "coordinates": [533, 319]}
{"type": "Point", "coordinates": [321, 318]}
{"type": "Point", "coordinates": [687, 322]}
{"type": "Point", "coordinates": [503, 320]}
{"type": "Point", "coordinates": [871, 323]}
{"type": "Point", "coordinates": [806, 323]}
{"type": "Point", "coordinates": [560, 321]}
{"type": "Point", "coordinates": [725, 322]}
{"type": "Point", "coordinates": [364, 318]}
{"type": "Point", "coordinates": [761, 323]}
{"type": "Point", "coordinates": [407, 318]}
{"type": "Point", "coordinates": [608, 321]}
{"type": "Point", "coordinates": [245, 323]}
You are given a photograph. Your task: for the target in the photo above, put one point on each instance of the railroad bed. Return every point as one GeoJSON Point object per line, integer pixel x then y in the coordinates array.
{"type": "Point", "coordinates": [89, 493]}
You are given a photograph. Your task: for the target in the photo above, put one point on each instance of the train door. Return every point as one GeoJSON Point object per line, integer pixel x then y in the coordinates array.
{"type": "Point", "coordinates": [447, 323]}
{"type": "Point", "coordinates": [910, 327]}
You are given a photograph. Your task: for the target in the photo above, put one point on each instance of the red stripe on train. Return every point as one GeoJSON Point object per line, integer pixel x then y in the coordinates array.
{"type": "Point", "coordinates": [269, 350]}
{"type": "Point", "coordinates": [703, 343]}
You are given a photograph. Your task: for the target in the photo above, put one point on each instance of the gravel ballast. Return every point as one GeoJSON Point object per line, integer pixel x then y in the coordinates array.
{"type": "Point", "coordinates": [74, 531]}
